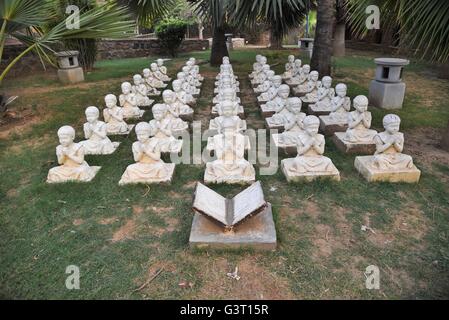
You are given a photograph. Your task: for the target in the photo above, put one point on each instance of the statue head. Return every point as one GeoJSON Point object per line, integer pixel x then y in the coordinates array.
{"type": "Point", "coordinates": [361, 103]}
{"type": "Point", "coordinates": [177, 85]}
{"type": "Point", "coordinates": [228, 94]}
{"type": "Point", "coordinates": [146, 72]}
{"type": "Point", "coordinates": [110, 100]}
{"type": "Point", "coordinates": [306, 69]}
{"type": "Point", "coordinates": [126, 87]}
{"type": "Point", "coordinates": [298, 63]}
{"type": "Point", "coordinates": [294, 104]}
{"type": "Point", "coordinates": [391, 123]}
{"type": "Point", "coordinates": [314, 76]}
{"type": "Point", "coordinates": [159, 110]}
{"type": "Point", "coordinates": [154, 67]}
{"type": "Point", "coordinates": [181, 75]}
{"type": "Point", "coordinates": [92, 114]}
{"type": "Point", "coordinates": [341, 90]}
{"type": "Point", "coordinates": [66, 135]}
{"type": "Point", "coordinates": [291, 58]}
{"type": "Point", "coordinates": [284, 91]}
{"type": "Point", "coordinates": [189, 64]}
{"type": "Point", "coordinates": [270, 74]}
{"type": "Point", "coordinates": [160, 62]}
{"type": "Point", "coordinates": [137, 79]}
{"type": "Point", "coordinates": [263, 60]}
{"type": "Point", "coordinates": [227, 108]}
{"type": "Point", "coordinates": [277, 81]}
{"type": "Point", "coordinates": [326, 82]}
{"type": "Point", "coordinates": [185, 69]}
{"type": "Point", "coordinates": [311, 125]}
{"type": "Point", "coordinates": [193, 59]}
{"type": "Point", "coordinates": [258, 56]}
{"type": "Point", "coordinates": [226, 60]}
{"type": "Point", "coordinates": [266, 67]}
{"type": "Point", "coordinates": [143, 131]}
{"type": "Point", "coordinates": [168, 96]}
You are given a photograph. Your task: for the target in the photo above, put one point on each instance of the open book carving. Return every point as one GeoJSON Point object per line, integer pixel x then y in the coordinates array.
{"type": "Point", "coordinates": [229, 212]}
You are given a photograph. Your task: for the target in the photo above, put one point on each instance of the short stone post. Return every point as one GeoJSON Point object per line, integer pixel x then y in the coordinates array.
{"type": "Point", "coordinates": [387, 91]}
{"type": "Point", "coordinates": [229, 43]}
{"type": "Point", "coordinates": [306, 45]}
{"type": "Point", "coordinates": [69, 70]}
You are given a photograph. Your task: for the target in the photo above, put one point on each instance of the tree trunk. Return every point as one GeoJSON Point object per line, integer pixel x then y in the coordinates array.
{"type": "Point", "coordinates": [322, 51]}
{"type": "Point", "coordinates": [275, 40]}
{"type": "Point", "coordinates": [339, 40]}
{"type": "Point", "coordinates": [445, 141]}
{"type": "Point", "coordinates": [219, 49]}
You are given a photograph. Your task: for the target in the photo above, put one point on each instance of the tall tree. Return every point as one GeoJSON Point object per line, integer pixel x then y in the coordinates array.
{"type": "Point", "coordinates": [322, 51]}
{"type": "Point", "coordinates": [340, 29]}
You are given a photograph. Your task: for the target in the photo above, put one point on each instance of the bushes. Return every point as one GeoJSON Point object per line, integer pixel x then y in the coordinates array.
{"type": "Point", "coordinates": [171, 33]}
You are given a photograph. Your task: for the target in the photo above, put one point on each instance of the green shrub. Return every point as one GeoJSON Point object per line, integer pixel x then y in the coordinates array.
{"type": "Point", "coordinates": [171, 33]}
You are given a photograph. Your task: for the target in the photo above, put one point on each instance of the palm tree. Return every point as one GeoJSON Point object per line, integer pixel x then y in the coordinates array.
{"type": "Point", "coordinates": [339, 47]}
{"type": "Point", "coordinates": [28, 21]}
{"type": "Point", "coordinates": [322, 51]}
{"type": "Point", "coordinates": [146, 12]}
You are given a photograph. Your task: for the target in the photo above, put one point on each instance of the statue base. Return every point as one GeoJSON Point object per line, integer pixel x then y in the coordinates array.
{"type": "Point", "coordinates": [362, 164]}
{"type": "Point", "coordinates": [332, 174]}
{"type": "Point", "coordinates": [328, 126]}
{"type": "Point", "coordinates": [352, 147]}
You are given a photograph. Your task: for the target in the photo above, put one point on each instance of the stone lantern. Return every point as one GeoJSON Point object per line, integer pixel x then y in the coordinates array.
{"type": "Point", "coordinates": [387, 90]}
{"type": "Point", "coordinates": [229, 43]}
{"type": "Point", "coordinates": [69, 70]}
{"type": "Point", "coordinates": [306, 44]}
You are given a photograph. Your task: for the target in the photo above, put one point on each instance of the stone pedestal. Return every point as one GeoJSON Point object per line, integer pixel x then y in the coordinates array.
{"type": "Point", "coordinates": [313, 110]}
{"type": "Point", "coordinates": [269, 126]}
{"type": "Point", "coordinates": [95, 169]}
{"type": "Point", "coordinates": [362, 164]}
{"type": "Point", "coordinates": [350, 147]}
{"type": "Point", "coordinates": [387, 90]}
{"type": "Point", "coordinates": [306, 45]}
{"type": "Point", "coordinates": [258, 232]}
{"type": "Point", "coordinates": [130, 128]}
{"type": "Point", "coordinates": [266, 111]}
{"type": "Point", "coordinates": [69, 70]}
{"type": "Point", "coordinates": [333, 174]}
{"type": "Point", "coordinates": [170, 167]}
{"type": "Point", "coordinates": [289, 150]}
{"type": "Point", "coordinates": [329, 127]}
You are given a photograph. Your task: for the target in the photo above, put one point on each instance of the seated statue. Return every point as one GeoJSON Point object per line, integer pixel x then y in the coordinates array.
{"type": "Point", "coordinates": [176, 123]}
{"type": "Point", "coordinates": [258, 65]}
{"type": "Point", "coordinates": [194, 84]}
{"type": "Point", "coordinates": [289, 113]}
{"type": "Point", "coordinates": [226, 83]}
{"type": "Point", "coordinates": [289, 67]}
{"type": "Point", "coordinates": [128, 102]}
{"type": "Point", "coordinates": [228, 95]}
{"type": "Point", "coordinates": [280, 101]}
{"type": "Point", "coordinates": [310, 160]}
{"type": "Point", "coordinates": [231, 165]}
{"type": "Point", "coordinates": [311, 86]}
{"type": "Point", "coordinates": [71, 159]}
{"type": "Point", "coordinates": [113, 116]}
{"type": "Point", "coordinates": [157, 77]}
{"type": "Point", "coordinates": [96, 134]}
{"type": "Point", "coordinates": [149, 81]}
{"type": "Point", "coordinates": [182, 96]}
{"type": "Point", "coordinates": [263, 87]}
{"type": "Point", "coordinates": [226, 69]}
{"type": "Point", "coordinates": [226, 74]}
{"type": "Point", "coordinates": [195, 75]}
{"type": "Point", "coordinates": [261, 76]}
{"type": "Point", "coordinates": [340, 104]}
{"type": "Point", "coordinates": [293, 124]}
{"type": "Point", "coordinates": [271, 93]}
{"type": "Point", "coordinates": [359, 123]}
{"type": "Point", "coordinates": [149, 168]}
{"type": "Point", "coordinates": [163, 70]}
{"type": "Point", "coordinates": [197, 72]}
{"type": "Point", "coordinates": [186, 85]}
{"type": "Point", "coordinates": [161, 130]}
{"type": "Point", "coordinates": [140, 90]}
{"type": "Point", "coordinates": [227, 114]}
{"type": "Point", "coordinates": [323, 93]}
{"type": "Point", "coordinates": [291, 77]}
{"type": "Point", "coordinates": [301, 76]}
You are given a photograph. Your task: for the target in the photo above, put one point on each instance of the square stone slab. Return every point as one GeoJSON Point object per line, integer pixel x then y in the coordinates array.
{"type": "Point", "coordinates": [170, 167]}
{"type": "Point", "coordinates": [372, 175]}
{"type": "Point", "coordinates": [142, 112]}
{"type": "Point", "coordinates": [258, 233]}
{"type": "Point", "coordinates": [280, 128]}
{"type": "Point", "coordinates": [130, 128]}
{"type": "Point", "coordinates": [267, 112]}
{"type": "Point", "coordinates": [334, 174]}
{"type": "Point", "coordinates": [94, 168]}
{"type": "Point", "coordinates": [289, 150]}
{"type": "Point", "coordinates": [351, 147]}
{"type": "Point", "coordinates": [313, 110]}
{"type": "Point", "coordinates": [187, 116]}
{"type": "Point", "coordinates": [329, 127]}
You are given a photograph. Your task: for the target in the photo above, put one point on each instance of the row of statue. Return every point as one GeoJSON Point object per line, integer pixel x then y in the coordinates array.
{"type": "Point", "coordinates": [229, 143]}
{"type": "Point", "coordinates": [156, 137]}
{"type": "Point", "coordinates": [329, 110]}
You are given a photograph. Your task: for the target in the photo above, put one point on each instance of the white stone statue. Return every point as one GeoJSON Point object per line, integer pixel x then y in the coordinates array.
{"type": "Point", "coordinates": [128, 102]}
{"type": "Point", "coordinates": [271, 93]}
{"type": "Point", "coordinates": [291, 76]}
{"type": "Point", "coordinates": [197, 72]}
{"type": "Point", "coordinates": [261, 76]}
{"type": "Point", "coordinates": [322, 94]}
{"type": "Point", "coordinates": [157, 77]}
{"type": "Point", "coordinates": [226, 69]}
{"type": "Point", "coordinates": [289, 67]}
{"type": "Point", "coordinates": [227, 114]}
{"type": "Point", "coordinates": [325, 95]}
{"type": "Point", "coordinates": [226, 75]}
{"type": "Point", "coordinates": [310, 162]}
{"type": "Point", "coordinates": [141, 92]}
{"type": "Point", "coordinates": [389, 163]}
{"type": "Point", "coordinates": [301, 77]}
{"type": "Point", "coordinates": [279, 102]}
{"type": "Point", "coordinates": [186, 85]}
{"type": "Point", "coordinates": [226, 83]}
{"type": "Point", "coordinates": [71, 159]}
{"type": "Point", "coordinates": [231, 165]}
{"type": "Point", "coordinates": [113, 116]}
{"type": "Point", "coordinates": [182, 96]}
{"type": "Point", "coordinates": [228, 94]}
{"type": "Point", "coordinates": [161, 130]}
{"type": "Point", "coordinates": [340, 104]}
{"type": "Point", "coordinates": [311, 86]}
{"type": "Point", "coordinates": [150, 82]}
{"type": "Point", "coordinates": [263, 87]}
{"type": "Point", "coordinates": [176, 123]}
{"type": "Point", "coordinates": [193, 82]}
{"type": "Point", "coordinates": [286, 114]}
{"type": "Point", "coordinates": [96, 134]}
{"type": "Point", "coordinates": [149, 168]}
{"type": "Point", "coordinates": [359, 123]}
{"type": "Point", "coordinates": [293, 125]}
{"type": "Point", "coordinates": [163, 70]}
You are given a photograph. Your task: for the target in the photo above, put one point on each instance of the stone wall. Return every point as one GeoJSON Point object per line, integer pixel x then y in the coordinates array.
{"type": "Point", "coordinates": [133, 48]}
{"type": "Point", "coordinates": [28, 65]}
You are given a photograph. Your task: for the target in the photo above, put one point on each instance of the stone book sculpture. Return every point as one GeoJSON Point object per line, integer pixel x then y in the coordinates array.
{"type": "Point", "coordinates": [229, 212]}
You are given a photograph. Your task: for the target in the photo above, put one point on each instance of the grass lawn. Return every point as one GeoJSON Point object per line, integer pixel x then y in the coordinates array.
{"type": "Point", "coordinates": [121, 236]}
